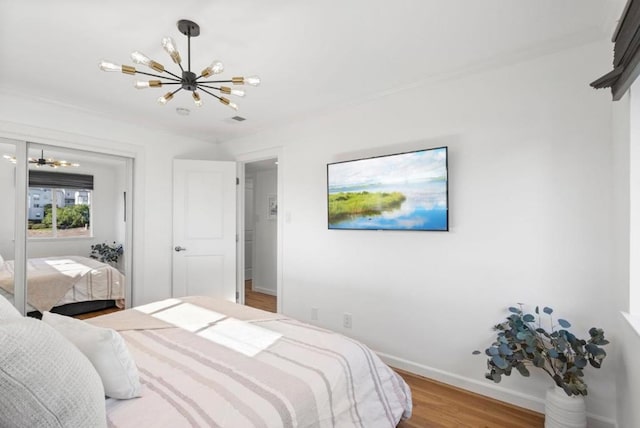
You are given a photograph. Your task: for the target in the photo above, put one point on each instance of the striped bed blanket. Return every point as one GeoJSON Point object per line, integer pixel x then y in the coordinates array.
{"type": "Point", "coordinates": [210, 363]}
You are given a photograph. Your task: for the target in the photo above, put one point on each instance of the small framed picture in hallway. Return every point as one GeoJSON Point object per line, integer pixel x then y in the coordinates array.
{"type": "Point", "coordinates": [272, 207]}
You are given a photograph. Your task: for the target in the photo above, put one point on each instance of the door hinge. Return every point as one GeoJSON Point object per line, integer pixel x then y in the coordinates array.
{"type": "Point", "coordinates": [237, 181]}
{"type": "Point", "coordinates": [237, 296]}
{"type": "Point", "coordinates": [237, 238]}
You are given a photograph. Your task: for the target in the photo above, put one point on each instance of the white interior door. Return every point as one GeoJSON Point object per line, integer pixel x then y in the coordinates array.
{"type": "Point", "coordinates": [204, 228]}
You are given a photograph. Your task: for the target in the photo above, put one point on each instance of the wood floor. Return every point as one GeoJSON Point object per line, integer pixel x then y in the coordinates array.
{"type": "Point", "coordinates": [435, 405]}
{"type": "Point", "coordinates": [96, 313]}
{"type": "Point", "coordinates": [257, 300]}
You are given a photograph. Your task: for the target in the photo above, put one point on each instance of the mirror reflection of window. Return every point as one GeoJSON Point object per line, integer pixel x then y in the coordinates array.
{"type": "Point", "coordinates": [71, 218]}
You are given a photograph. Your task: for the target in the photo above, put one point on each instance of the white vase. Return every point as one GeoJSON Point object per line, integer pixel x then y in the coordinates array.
{"type": "Point", "coordinates": [563, 411]}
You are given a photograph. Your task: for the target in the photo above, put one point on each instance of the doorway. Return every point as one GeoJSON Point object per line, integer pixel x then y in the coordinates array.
{"type": "Point", "coordinates": [260, 266]}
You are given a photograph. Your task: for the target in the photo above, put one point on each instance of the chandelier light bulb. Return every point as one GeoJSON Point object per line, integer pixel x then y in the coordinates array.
{"type": "Point", "coordinates": [226, 102]}
{"type": "Point", "coordinates": [228, 90]}
{"type": "Point", "coordinates": [216, 67]}
{"type": "Point", "coordinates": [196, 99]}
{"type": "Point", "coordinates": [150, 84]}
{"type": "Point", "coordinates": [165, 98]}
{"type": "Point", "coordinates": [170, 47]}
{"type": "Point", "coordinates": [252, 80]}
{"type": "Point", "coordinates": [109, 66]}
{"type": "Point", "coordinates": [140, 58]}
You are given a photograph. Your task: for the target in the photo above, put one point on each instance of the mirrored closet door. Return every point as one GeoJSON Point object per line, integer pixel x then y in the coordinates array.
{"type": "Point", "coordinates": [8, 152]}
{"type": "Point", "coordinates": [75, 222]}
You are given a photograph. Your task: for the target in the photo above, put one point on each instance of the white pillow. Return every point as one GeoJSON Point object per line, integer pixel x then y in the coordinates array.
{"type": "Point", "coordinates": [106, 350]}
{"type": "Point", "coordinates": [7, 310]}
{"type": "Point", "coordinates": [45, 381]}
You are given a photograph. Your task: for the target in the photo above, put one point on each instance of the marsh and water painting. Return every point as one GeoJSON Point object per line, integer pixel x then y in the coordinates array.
{"type": "Point", "coordinates": [406, 191]}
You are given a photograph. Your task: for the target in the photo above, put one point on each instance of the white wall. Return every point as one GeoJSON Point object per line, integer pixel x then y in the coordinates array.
{"type": "Point", "coordinates": [633, 168]}
{"type": "Point", "coordinates": [50, 123]}
{"type": "Point", "coordinates": [626, 173]}
{"type": "Point", "coordinates": [265, 234]}
{"type": "Point", "coordinates": [530, 183]}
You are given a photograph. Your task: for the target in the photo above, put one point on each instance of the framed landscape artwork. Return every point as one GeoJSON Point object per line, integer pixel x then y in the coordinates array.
{"type": "Point", "coordinates": [404, 191]}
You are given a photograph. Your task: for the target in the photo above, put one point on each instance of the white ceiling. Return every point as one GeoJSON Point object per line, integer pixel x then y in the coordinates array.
{"type": "Point", "coordinates": [313, 56]}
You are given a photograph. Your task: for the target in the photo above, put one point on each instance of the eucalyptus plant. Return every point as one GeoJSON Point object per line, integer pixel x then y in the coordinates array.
{"type": "Point", "coordinates": [106, 253]}
{"type": "Point", "coordinates": [522, 342]}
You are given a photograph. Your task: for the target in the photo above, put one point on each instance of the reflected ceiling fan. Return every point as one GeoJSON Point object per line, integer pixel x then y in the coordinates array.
{"type": "Point", "coordinates": [42, 161]}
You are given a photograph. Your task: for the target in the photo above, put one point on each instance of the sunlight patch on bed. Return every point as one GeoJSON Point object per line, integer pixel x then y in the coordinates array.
{"type": "Point", "coordinates": [68, 267]}
{"type": "Point", "coordinates": [188, 317]}
{"type": "Point", "coordinates": [157, 306]}
{"type": "Point", "coordinates": [240, 336]}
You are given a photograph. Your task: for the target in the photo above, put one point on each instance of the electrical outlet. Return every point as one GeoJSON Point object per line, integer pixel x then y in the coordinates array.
{"type": "Point", "coordinates": [314, 314]}
{"type": "Point", "coordinates": [346, 320]}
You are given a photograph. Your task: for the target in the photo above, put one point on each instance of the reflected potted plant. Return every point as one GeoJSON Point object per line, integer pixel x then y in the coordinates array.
{"type": "Point", "coordinates": [106, 253]}
{"type": "Point", "coordinates": [523, 342]}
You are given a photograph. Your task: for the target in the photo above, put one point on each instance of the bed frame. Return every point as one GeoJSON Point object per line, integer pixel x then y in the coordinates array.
{"type": "Point", "coordinates": [72, 309]}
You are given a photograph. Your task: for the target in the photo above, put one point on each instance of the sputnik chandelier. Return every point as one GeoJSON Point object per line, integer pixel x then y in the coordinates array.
{"type": "Point", "coordinates": [188, 81]}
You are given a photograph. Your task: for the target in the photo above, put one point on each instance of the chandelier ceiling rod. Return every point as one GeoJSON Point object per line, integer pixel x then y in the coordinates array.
{"type": "Point", "coordinates": [188, 81]}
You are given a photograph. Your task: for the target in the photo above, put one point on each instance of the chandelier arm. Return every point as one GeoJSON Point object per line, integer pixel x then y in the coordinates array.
{"type": "Point", "coordinates": [216, 81]}
{"type": "Point", "coordinates": [157, 75]}
{"type": "Point", "coordinates": [213, 95]}
{"type": "Point", "coordinates": [177, 90]}
{"type": "Point", "coordinates": [174, 75]}
{"type": "Point", "coordinates": [200, 85]}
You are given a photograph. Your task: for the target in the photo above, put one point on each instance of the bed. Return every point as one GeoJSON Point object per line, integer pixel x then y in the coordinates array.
{"type": "Point", "coordinates": [211, 363]}
{"type": "Point", "coordinates": [70, 284]}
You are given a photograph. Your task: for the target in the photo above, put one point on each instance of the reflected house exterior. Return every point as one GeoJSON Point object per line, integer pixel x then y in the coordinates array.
{"type": "Point", "coordinates": [40, 197]}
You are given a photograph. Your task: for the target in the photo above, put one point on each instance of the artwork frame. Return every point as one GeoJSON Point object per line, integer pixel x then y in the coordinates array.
{"type": "Point", "coordinates": [272, 207]}
{"type": "Point", "coordinates": [406, 191]}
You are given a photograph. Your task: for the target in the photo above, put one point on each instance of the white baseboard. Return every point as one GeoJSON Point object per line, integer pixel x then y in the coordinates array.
{"type": "Point", "coordinates": [488, 389]}
{"type": "Point", "coordinates": [265, 291]}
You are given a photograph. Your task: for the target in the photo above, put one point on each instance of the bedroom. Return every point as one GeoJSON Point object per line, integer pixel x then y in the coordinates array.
{"type": "Point", "coordinates": [523, 128]}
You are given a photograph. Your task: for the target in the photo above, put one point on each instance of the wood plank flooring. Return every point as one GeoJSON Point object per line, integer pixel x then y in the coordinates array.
{"type": "Point", "coordinates": [257, 300]}
{"type": "Point", "coordinates": [96, 313]}
{"type": "Point", "coordinates": [435, 404]}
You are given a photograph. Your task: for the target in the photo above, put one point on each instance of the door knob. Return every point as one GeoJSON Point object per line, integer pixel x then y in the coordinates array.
{"type": "Point", "coordinates": [178, 248]}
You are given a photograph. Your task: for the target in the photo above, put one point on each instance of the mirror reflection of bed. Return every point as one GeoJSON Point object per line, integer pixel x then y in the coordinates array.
{"type": "Point", "coordinates": [68, 285]}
